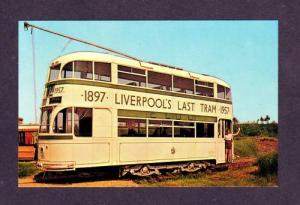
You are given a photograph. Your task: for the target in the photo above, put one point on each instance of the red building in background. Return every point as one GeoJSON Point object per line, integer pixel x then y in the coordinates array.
{"type": "Point", "coordinates": [27, 139]}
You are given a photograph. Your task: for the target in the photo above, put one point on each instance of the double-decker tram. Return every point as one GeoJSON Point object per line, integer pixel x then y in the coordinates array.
{"type": "Point", "coordinates": [102, 110]}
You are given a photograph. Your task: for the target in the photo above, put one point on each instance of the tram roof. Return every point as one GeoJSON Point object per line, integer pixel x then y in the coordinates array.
{"type": "Point", "coordinates": [153, 66]}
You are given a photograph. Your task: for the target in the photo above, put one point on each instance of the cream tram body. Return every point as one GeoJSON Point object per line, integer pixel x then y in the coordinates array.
{"type": "Point", "coordinates": [103, 110]}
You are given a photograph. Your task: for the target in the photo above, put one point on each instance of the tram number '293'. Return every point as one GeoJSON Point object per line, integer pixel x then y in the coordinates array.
{"type": "Point", "coordinates": [224, 110]}
{"type": "Point", "coordinates": [93, 96]}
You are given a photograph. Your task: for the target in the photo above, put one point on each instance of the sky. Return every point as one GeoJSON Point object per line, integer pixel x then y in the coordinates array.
{"type": "Point", "coordinates": [243, 53]}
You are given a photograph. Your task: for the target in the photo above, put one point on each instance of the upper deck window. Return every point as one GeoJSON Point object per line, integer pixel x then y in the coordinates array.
{"type": "Point", "coordinates": [183, 85]}
{"type": "Point", "coordinates": [224, 92]}
{"type": "Point", "coordinates": [204, 88]}
{"type": "Point", "coordinates": [159, 81]}
{"type": "Point", "coordinates": [83, 69]}
{"type": "Point", "coordinates": [131, 76]}
{"type": "Point", "coordinates": [54, 72]}
{"type": "Point", "coordinates": [221, 91]}
{"type": "Point", "coordinates": [102, 71]}
{"type": "Point", "coordinates": [67, 71]}
{"type": "Point", "coordinates": [228, 93]}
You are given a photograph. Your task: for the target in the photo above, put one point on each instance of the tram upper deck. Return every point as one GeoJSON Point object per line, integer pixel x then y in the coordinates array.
{"type": "Point", "coordinates": [111, 69]}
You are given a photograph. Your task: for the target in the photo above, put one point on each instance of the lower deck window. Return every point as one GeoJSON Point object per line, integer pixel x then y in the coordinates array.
{"type": "Point", "coordinates": [160, 128]}
{"type": "Point", "coordinates": [205, 130]}
{"type": "Point", "coordinates": [223, 127]}
{"type": "Point", "coordinates": [63, 121]}
{"type": "Point", "coordinates": [131, 127]}
{"type": "Point", "coordinates": [45, 120]}
{"type": "Point", "coordinates": [83, 119]}
{"type": "Point", "coordinates": [184, 132]}
{"type": "Point", "coordinates": [184, 129]}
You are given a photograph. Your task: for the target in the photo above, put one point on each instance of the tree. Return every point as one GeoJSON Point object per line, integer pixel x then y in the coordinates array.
{"type": "Point", "coordinates": [262, 120]}
{"type": "Point", "coordinates": [267, 119]}
{"type": "Point", "coordinates": [235, 120]}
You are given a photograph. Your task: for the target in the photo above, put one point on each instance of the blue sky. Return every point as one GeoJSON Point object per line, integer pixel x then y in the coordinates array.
{"type": "Point", "coordinates": [243, 53]}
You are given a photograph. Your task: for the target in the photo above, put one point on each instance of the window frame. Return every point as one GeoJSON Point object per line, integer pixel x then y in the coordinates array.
{"type": "Point", "coordinates": [183, 127]}
{"type": "Point", "coordinates": [22, 138]}
{"type": "Point", "coordinates": [208, 123]}
{"type": "Point", "coordinates": [159, 73]}
{"type": "Point", "coordinates": [59, 71]}
{"type": "Point", "coordinates": [132, 73]}
{"type": "Point", "coordinates": [73, 122]}
{"type": "Point", "coordinates": [85, 61]}
{"type": "Point", "coordinates": [173, 85]}
{"type": "Point", "coordinates": [161, 125]}
{"type": "Point", "coordinates": [54, 123]}
{"type": "Point", "coordinates": [225, 92]}
{"type": "Point", "coordinates": [48, 123]}
{"type": "Point", "coordinates": [130, 118]}
{"type": "Point", "coordinates": [172, 126]}
{"type": "Point", "coordinates": [204, 86]}
{"type": "Point", "coordinates": [110, 77]}
{"type": "Point", "coordinates": [62, 70]}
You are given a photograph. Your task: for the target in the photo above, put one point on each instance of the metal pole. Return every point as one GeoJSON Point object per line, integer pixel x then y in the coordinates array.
{"type": "Point", "coordinates": [34, 79]}
{"type": "Point", "coordinates": [27, 25]}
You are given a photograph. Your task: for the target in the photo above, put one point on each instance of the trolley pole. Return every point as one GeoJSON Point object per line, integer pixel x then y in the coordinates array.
{"type": "Point", "coordinates": [34, 75]}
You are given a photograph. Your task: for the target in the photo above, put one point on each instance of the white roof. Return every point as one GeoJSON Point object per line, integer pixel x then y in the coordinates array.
{"type": "Point", "coordinates": [109, 58]}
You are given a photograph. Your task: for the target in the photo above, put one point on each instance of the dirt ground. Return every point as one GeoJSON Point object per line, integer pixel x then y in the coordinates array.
{"type": "Point", "coordinates": [266, 144]}
{"type": "Point", "coordinates": [241, 168]}
{"type": "Point", "coordinates": [29, 182]}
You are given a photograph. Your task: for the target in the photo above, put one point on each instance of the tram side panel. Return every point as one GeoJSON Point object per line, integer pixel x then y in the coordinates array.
{"type": "Point", "coordinates": [143, 150]}
{"type": "Point", "coordinates": [105, 148]}
{"type": "Point", "coordinates": [97, 150]}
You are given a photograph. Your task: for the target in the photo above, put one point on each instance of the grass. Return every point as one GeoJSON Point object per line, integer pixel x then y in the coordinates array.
{"type": "Point", "coordinates": [254, 175]}
{"type": "Point", "coordinates": [245, 147]}
{"type": "Point", "coordinates": [241, 177]}
{"type": "Point", "coordinates": [267, 164]}
{"type": "Point", "coordinates": [27, 169]}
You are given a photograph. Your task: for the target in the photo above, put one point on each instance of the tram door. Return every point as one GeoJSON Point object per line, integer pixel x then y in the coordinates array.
{"type": "Point", "coordinates": [223, 125]}
{"type": "Point", "coordinates": [102, 133]}
{"type": "Point", "coordinates": [102, 126]}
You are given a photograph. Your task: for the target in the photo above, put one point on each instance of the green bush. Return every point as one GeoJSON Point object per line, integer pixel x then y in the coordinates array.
{"type": "Point", "coordinates": [255, 129]}
{"type": "Point", "coordinates": [26, 169]}
{"type": "Point", "coordinates": [245, 147]}
{"type": "Point", "coordinates": [267, 164]}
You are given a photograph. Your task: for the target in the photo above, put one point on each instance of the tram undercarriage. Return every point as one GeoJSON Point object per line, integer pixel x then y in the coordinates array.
{"type": "Point", "coordinates": [157, 169]}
